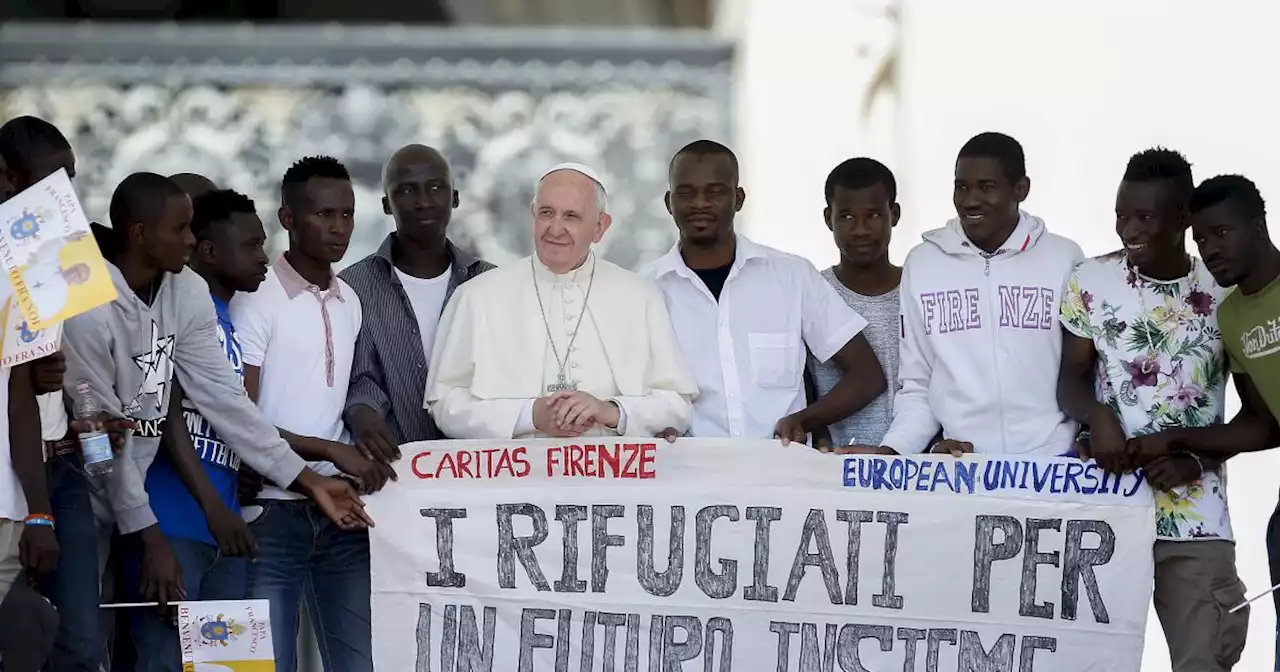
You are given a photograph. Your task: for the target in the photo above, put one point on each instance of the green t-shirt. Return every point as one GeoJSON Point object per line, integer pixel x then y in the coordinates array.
{"type": "Point", "coordinates": [1250, 326]}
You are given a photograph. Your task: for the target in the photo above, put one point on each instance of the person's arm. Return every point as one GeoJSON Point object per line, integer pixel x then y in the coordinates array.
{"type": "Point", "coordinates": [227, 528]}
{"type": "Point", "coordinates": [1253, 429]}
{"type": "Point", "coordinates": [458, 413]}
{"type": "Point", "coordinates": [914, 423]}
{"type": "Point", "coordinates": [1076, 395]}
{"type": "Point", "coordinates": [39, 545]}
{"type": "Point", "coordinates": [861, 381]}
{"type": "Point", "coordinates": [367, 402]}
{"type": "Point", "coordinates": [309, 448]}
{"type": "Point", "coordinates": [821, 435]}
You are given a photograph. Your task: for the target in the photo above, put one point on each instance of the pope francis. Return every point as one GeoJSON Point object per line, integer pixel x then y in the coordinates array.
{"type": "Point", "coordinates": [562, 343]}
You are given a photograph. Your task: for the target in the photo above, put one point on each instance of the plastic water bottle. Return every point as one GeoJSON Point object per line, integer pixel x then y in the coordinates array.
{"type": "Point", "coordinates": [95, 444]}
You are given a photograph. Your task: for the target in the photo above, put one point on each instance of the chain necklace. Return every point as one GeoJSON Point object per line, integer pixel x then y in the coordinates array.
{"type": "Point", "coordinates": [561, 383]}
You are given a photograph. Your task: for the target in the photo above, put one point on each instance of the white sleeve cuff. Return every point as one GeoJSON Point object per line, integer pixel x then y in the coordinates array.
{"type": "Point", "coordinates": [524, 423]}
{"type": "Point", "coordinates": [622, 417]}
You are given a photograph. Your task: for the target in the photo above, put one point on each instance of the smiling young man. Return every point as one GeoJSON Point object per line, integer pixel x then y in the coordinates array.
{"type": "Point", "coordinates": [981, 339]}
{"type": "Point", "coordinates": [862, 209]}
{"type": "Point", "coordinates": [746, 314]}
{"type": "Point", "coordinates": [298, 335]}
{"type": "Point", "coordinates": [403, 288]}
{"type": "Point", "coordinates": [1143, 363]}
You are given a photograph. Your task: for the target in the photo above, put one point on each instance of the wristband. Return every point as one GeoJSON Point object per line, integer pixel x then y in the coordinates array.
{"type": "Point", "coordinates": [1197, 459]}
{"type": "Point", "coordinates": [38, 520]}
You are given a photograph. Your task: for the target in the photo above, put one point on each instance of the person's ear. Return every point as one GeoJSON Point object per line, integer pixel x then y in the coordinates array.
{"type": "Point", "coordinates": [739, 198]}
{"type": "Point", "coordinates": [606, 220]}
{"type": "Point", "coordinates": [1022, 189]}
{"type": "Point", "coordinates": [895, 211]}
{"type": "Point", "coordinates": [386, 206]}
{"type": "Point", "coordinates": [826, 218]}
{"type": "Point", "coordinates": [285, 216]}
{"type": "Point", "coordinates": [456, 200]}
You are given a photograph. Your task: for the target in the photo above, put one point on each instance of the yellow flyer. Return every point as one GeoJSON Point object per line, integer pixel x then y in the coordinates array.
{"type": "Point", "coordinates": [226, 636]}
{"type": "Point", "coordinates": [50, 255]}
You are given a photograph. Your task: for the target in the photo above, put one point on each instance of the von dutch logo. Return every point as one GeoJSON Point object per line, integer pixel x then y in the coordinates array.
{"type": "Point", "coordinates": [219, 630]}
{"type": "Point", "coordinates": [1261, 341]}
{"type": "Point", "coordinates": [27, 225]}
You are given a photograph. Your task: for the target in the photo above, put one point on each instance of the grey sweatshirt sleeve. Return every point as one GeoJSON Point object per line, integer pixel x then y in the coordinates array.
{"type": "Point", "coordinates": [215, 389]}
{"type": "Point", "coordinates": [88, 344]}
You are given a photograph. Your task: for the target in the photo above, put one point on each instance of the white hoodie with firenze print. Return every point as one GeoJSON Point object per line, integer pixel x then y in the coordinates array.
{"type": "Point", "coordinates": [982, 343]}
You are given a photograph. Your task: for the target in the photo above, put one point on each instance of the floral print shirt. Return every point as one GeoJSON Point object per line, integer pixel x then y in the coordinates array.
{"type": "Point", "coordinates": [1161, 364]}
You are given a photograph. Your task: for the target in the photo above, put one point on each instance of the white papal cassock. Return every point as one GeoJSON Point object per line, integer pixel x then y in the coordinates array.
{"type": "Point", "coordinates": [492, 359]}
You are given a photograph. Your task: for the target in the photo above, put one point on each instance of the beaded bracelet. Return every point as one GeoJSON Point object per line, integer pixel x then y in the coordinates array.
{"type": "Point", "coordinates": [39, 520]}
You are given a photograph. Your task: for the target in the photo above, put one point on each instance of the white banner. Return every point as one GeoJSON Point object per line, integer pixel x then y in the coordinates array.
{"type": "Point", "coordinates": [718, 555]}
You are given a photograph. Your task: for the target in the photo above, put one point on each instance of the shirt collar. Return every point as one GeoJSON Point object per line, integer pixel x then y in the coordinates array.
{"type": "Point", "coordinates": [673, 261]}
{"type": "Point", "coordinates": [580, 275]}
{"type": "Point", "coordinates": [458, 257]}
{"type": "Point", "coordinates": [294, 284]}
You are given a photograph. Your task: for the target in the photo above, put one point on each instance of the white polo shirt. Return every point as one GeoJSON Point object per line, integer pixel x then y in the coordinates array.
{"type": "Point", "coordinates": [303, 339]}
{"type": "Point", "coordinates": [747, 350]}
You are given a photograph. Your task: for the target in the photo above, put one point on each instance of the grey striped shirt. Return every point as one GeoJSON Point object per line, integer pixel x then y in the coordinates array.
{"type": "Point", "coordinates": [389, 372]}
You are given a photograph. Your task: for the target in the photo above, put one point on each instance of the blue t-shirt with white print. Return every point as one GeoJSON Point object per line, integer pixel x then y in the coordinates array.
{"type": "Point", "coordinates": [175, 508]}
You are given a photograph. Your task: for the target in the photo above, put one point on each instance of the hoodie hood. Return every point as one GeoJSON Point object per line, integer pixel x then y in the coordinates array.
{"type": "Point", "coordinates": [953, 240]}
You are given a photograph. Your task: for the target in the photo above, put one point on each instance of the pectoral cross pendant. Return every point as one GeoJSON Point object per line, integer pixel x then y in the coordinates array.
{"type": "Point", "coordinates": [561, 384]}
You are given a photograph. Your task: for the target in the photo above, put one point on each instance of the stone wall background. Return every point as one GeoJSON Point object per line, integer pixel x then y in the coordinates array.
{"type": "Point", "coordinates": [240, 103]}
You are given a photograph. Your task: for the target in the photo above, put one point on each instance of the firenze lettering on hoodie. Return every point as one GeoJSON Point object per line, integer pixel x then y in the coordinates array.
{"type": "Point", "coordinates": [982, 343]}
{"type": "Point", "coordinates": [129, 352]}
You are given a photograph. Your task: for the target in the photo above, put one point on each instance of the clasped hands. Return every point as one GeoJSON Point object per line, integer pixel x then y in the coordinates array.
{"type": "Point", "coordinates": [572, 413]}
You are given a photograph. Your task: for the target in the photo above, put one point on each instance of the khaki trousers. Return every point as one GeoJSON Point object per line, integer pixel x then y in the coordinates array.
{"type": "Point", "coordinates": [10, 562]}
{"type": "Point", "coordinates": [1196, 584]}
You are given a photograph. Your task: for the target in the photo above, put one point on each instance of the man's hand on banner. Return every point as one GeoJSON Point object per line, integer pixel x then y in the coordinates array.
{"type": "Point", "coordinates": [336, 498]}
{"type": "Point", "coordinates": [790, 429]}
{"type": "Point", "coordinates": [952, 447]}
{"type": "Point", "coordinates": [1107, 441]}
{"type": "Point", "coordinates": [1171, 471]}
{"type": "Point", "coordinates": [372, 435]}
{"type": "Point", "coordinates": [372, 473]}
{"type": "Point", "coordinates": [47, 373]}
{"type": "Point", "coordinates": [670, 434]}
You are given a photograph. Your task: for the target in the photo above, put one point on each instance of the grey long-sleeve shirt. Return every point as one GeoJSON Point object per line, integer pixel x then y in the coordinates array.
{"type": "Point", "coordinates": [129, 352]}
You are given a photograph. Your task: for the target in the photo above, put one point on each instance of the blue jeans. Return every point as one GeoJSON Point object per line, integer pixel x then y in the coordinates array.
{"type": "Point", "coordinates": [75, 585]}
{"type": "Point", "coordinates": [206, 575]}
{"type": "Point", "coordinates": [304, 558]}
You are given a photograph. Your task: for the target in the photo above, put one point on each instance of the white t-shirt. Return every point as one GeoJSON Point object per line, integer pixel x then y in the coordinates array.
{"type": "Point", "coordinates": [13, 502]}
{"type": "Point", "coordinates": [53, 416]}
{"type": "Point", "coordinates": [305, 360]}
{"type": "Point", "coordinates": [426, 296]}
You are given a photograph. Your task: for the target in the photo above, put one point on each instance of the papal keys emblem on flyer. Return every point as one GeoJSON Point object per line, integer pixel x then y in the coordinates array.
{"type": "Point", "coordinates": [219, 630]}
{"type": "Point", "coordinates": [27, 225]}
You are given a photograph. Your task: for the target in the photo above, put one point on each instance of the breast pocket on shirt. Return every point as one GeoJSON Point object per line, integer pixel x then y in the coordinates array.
{"type": "Point", "coordinates": [775, 359]}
